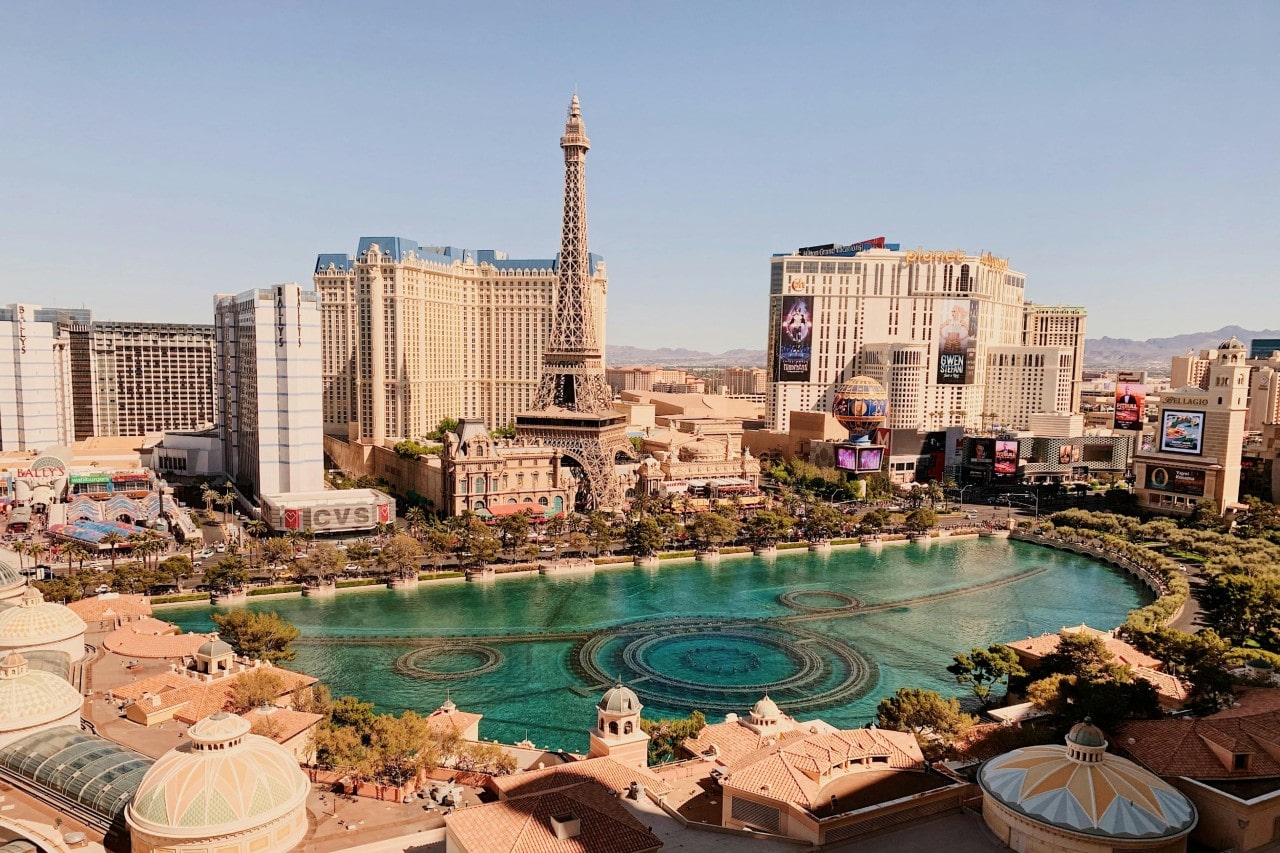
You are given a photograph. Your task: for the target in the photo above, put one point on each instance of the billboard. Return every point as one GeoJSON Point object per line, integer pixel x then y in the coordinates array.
{"type": "Point", "coordinates": [1181, 432]}
{"type": "Point", "coordinates": [982, 451]}
{"type": "Point", "coordinates": [1006, 456]}
{"type": "Point", "coordinates": [795, 339]}
{"type": "Point", "coordinates": [1068, 453]}
{"type": "Point", "coordinates": [1130, 401]}
{"type": "Point", "coordinates": [846, 458]}
{"type": "Point", "coordinates": [1183, 481]}
{"type": "Point", "coordinates": [957, 332]}
{"type": "Point", "coordinates": [870, 458]}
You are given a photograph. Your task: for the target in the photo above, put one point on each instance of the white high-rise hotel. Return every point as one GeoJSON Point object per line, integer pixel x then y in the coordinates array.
{"type": "Point", "coordinates": [413, 334]}
{"type": "Point", "coordinates": [948, 333]}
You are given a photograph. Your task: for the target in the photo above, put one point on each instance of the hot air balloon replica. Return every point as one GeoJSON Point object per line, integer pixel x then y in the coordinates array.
{"type": "Point", "coordinates": [861, 405]}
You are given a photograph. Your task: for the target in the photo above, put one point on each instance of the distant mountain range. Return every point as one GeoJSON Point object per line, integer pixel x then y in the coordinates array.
{"type": "Point", "coordinates": [624, 356]}
{"type": "Point", "coordinates": [1099, 353]}
{"type": "Point", "coordinates": [1155, 353]}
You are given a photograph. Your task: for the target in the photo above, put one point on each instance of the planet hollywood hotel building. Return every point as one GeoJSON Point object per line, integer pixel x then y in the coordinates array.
{"type": "Point", "coordinates": [948, 333]}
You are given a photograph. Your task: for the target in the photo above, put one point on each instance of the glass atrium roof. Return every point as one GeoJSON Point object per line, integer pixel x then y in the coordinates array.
{"type": "Point", "coordinates": [93, 771]}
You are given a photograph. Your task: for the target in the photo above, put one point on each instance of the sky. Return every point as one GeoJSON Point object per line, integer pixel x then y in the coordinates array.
{"type": "Point", "coordinates": [1126, 157]}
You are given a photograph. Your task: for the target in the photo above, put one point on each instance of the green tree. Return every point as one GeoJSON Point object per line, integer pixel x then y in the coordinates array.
{"type": "Point", "coordinates": [112, 540]}
{"type": "Point", "coordinates": [254, 689]}
{"type": "Point", "coordinates": [766, 527]}
{"type": "Point", "coordinates": [402, 555]}
{"type": "Point", "coordinates": [983, 669]}
{"type": "Point", "coordinates": [921, 520]}
{"type": "Point", "coordinates": [1082, 655]}
{"type": "Point", "coordinates": [228, 573]}
{"type": "Point", "coordinates": [260, 636]}
{"type": "Point", "coordinates": [874, 521]}
{"type": "Point", "coordinates": [644, 537]}
{"type": "Point", "coordinates": [711, 530]}
{"type": "Point", "coordinates": [513, 529]}
{"type": "Point", "coordinates": [400, 747]}
{"type": "Point", "coordinates": [936, 722]}
{"type": "Point", "coordinates": [174, 569]}
{"type": "Point", "coordinates": [325, 561]}
{"type": "Point", "coordinates": [1205, 516]}
{"type": "Point", "coordinates": [600, 531]}
{"type": "Point", "coordinates": [1243, 608]}
{"type": "Point", "coordinates": [822, 521]}
{"type": "Point", "coordinates": [666, 735]}
{"type": "Point", "coordinates": [350, 712]}
{"type": "Point", "coordinates": [446, 425]}
{"type": "Point", "coordinates": [488, 758]}
{"type": "Point", "coordinates": [478, 541]}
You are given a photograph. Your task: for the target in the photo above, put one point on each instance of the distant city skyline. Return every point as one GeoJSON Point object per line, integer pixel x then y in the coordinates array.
{"type": "Point", "coordinates": [1117, 155]}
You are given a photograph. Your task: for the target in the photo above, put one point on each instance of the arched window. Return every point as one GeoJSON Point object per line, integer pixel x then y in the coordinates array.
{"type": "Point", "coordinates": [626, 728]}
{"type": "Point", "coordinates": [542, 501]}
{"type": "Point", "coordinates": [479, 505]}
{"type": "Point", "coordinates": [479, 485]}
{"type": "Point", "coordinates": [601, 726]}
{"type": "Point", "coordinates": [511, 500]}
{"type": "Point", "coordinates": [527, 500]}
{"type": "Point", "coordinates": [613, 727]}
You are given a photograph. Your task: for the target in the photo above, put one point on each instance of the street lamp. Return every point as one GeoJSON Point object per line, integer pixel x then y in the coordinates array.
{"type": "Point", "coordinates": [963, 489]}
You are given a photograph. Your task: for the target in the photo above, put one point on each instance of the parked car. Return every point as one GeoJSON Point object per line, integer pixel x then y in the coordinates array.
{"type": "Point", "coordinates": [102, 588]}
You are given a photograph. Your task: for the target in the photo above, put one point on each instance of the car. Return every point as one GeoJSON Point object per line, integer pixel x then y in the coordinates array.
{"type": "Point", "coordinates": [547, 549]}
{"type": "Point", "coordinates": [221, 547]}
{"type": "Point", "coordinates": [971, 515]}
{"type": "Point", "coordinates": [102, 588]}
{"type": "Point", "coordinates": [351, 567]}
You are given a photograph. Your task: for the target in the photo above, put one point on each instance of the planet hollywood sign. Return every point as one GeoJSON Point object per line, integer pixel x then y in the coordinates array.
{"type": "Point", "coordinates": [921, 256]}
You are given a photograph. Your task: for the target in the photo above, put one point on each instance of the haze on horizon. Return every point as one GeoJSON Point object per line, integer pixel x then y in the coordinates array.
{"type": "Point", "coordinates": [1125, 158]}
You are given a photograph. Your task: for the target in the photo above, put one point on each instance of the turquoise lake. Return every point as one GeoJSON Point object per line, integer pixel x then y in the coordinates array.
{"type": "Point", "coordinates": [827, 635]}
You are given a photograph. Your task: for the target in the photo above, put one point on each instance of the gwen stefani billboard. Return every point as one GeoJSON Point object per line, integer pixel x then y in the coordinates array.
{"type": "Point", "coordinates": [957, 330]}
{"type": "Point", "coordinates": [795, 339]}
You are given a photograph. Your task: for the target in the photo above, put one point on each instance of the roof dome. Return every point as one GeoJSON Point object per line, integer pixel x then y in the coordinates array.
{"type": "Point", "coordinates": [223, 780]}
{"type": "Point", "coordinates": [1081, 788]}
{"type": "Point", "coordinates": [1231, 343]}
{"type": "Point", "coordinates": [620, 700]}
{"type": "Point", "coordinates": [1086, 734]}
{"type": "Point", "coordinates": [9, 576]}
{"type": "Point", "coordinates": [29, 698]}
{"type": "Point", "coordinates": [215, 648]}
{"type": "Point", "coordinates": [36, 620]}
{"type": "Point", "coordinates": [765, 709]}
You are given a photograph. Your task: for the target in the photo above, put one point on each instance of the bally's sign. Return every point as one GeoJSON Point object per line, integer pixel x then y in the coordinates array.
{"type": "Point", "coordinates": [331, 518]}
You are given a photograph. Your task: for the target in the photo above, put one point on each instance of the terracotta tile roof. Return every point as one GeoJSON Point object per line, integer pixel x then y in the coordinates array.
{"type": "Point", "coordinates": [198, 698]}
{"type": "Point", "coordinates": [789, 767]}
{"type": "Point", "coordinates": [523, 825]}
{"type": "Point", "coordinates": [604, 771]}
{"type": "Point", "coordinates": [1252, 701]}
{"type": "Point", "coordinates": [151, 638]}
{"type": "Point", "coordinates": [1169, 686]}
{"type": "Point", "coordinates": [1038, 647]}
{"type": "Point", "coordinates": [733, 741]}
{"type": "Point", "coordinates": [460, 720]}
{"type": "Point", "coordinates": [111, 606]}
{"type": "Point", "coordinates": [1185, 747]}
{"type": "Point", "coordinates": [288, 723]}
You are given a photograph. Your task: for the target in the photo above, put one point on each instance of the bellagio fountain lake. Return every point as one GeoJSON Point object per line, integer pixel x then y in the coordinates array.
{"type": "Point", "coordinates": [824, 635]}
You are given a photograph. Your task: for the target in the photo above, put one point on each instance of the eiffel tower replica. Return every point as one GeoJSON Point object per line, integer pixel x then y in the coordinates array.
{"type": "Point", "coordinates": [573, 409]}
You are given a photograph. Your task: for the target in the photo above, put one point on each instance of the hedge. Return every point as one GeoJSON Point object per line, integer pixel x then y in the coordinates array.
{"type": "Point", "coordinates": [673, 555]}
{"type": "Point", "coordinates": [360, 582]}
{"type": "Point", "coordinates": [439, 576]}
{"type": "Point", "coordinates": [276, 590]}
{"type": "Point", "coordinates": [186, 596]}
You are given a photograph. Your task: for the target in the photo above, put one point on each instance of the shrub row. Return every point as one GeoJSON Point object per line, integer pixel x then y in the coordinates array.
{"type": "Point", "coordinates": [276, 590]}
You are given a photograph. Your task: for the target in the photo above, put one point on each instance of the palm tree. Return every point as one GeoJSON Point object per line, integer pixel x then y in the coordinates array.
{"type": "Point", "coordinates": [74, 551]}
{"type": "Point", "coordinates": [37, 551]}
{"type": "Point", "coordinates": [21, 549]}
{"type": "Point", "coordinates": [210, 496]}
{"type": "Point", "coordinates": [227, 499]}
{"type": "Point", "coordinates": [255, 529]}
{"type": "Point", "coordinates": [112, 540]}
{"type": "Point", "coordinates": [308, 536]}
{"type": "Point", "coordinates": [416, 519]}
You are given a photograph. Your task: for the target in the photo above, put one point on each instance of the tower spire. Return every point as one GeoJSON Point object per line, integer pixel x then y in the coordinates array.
{"type": "Point", "coordinates": [573, 406]}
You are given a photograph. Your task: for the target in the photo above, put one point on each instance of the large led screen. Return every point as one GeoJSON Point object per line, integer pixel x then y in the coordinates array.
{"type": "Point", "coordinates": [1006, 467]}
{"type": "Point", "coordinates": [1182, 432]}
{"type": "Point", "coordinates": [795, 339]}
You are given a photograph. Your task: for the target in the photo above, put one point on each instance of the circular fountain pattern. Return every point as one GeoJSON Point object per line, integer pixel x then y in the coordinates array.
{"type": "Point", "coordinates": [818, 600]}
{"type": "Point", "coordinates": [722, 665]}
{"type": "Point", "coordinates": [448, 661]}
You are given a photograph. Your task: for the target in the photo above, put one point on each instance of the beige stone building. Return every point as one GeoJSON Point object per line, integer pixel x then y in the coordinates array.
{"type": "Point", "coordinates": [413, 334]}
{"type": "Point", "coordinates": [700, 454]}
{"type": "Point", "coordinates": [1199, 440]}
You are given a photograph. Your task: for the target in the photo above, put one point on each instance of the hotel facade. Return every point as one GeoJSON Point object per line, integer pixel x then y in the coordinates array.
{"type": "Point", "coordinates": [413, 334]}
{"type": "Point", "coordinates": [948, 333]}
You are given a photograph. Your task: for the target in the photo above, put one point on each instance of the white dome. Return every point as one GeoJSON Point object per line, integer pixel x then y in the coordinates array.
{"type": "Point", "coordinates": [223, 781]}
{"type": "Point", "coordinates": [29, 698]}
{"type": "Point", "coordinates": [1081, 788]}
{"type": "Point", "coordinates": [765, 709]}
{"type": "Point", "coordinates": [9, 576]}
{"type": "Point", "coordinates": [35, 620]}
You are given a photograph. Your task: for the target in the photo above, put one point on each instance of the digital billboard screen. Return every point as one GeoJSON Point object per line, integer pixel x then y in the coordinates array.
{"type": "Point", "coordinates": [846, 458]}
{"type": "Point", "coordinates": [1183, 481]}
{"type": "Point", "coordinates": [795, 339]}
{"type": "Point", "coordinates": [982, 451]}
{"type": "Point", "coordinates": [957, 330]}
{"type": "Point", "coordinates": [1006, 464]}
{"type": "Point", "coordinates": [1130, 401]}
{"type": "Point", "coordinates": [1068, 453]}
{"type": "Point", "coordinates": [870, 458]}
{"type": "Point", "coordinates": [1182, 432]}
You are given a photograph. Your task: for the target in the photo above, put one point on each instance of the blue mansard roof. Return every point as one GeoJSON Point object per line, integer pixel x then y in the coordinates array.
{"type": "Point", "coordinates": [400, 248]}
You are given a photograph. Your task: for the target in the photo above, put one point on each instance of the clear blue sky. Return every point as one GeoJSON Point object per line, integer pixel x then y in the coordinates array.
{"type": "Point", "coordinates": [1125, 156]}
